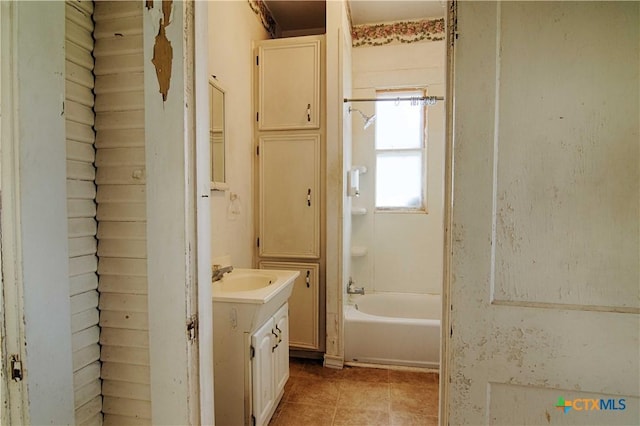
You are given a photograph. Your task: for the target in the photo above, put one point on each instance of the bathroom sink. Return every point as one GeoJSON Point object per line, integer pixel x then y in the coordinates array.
{"type": "Point", "coordinates": [243, 280]}
{"type": "Point", "coordinates": [245, 298]}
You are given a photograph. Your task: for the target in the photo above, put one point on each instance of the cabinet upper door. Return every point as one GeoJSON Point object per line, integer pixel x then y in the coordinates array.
{"type": "Point", "coordinates": [289, 196]}
{"type": "Point", "coordinates": [289, 84]}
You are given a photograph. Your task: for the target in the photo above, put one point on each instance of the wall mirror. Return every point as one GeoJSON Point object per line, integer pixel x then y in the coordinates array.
{"type": "Point", "coordinates": [217, 135]}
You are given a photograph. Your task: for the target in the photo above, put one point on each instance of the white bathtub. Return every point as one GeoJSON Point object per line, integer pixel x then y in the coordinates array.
{"type": "Point", "coordinates": [393, 329]}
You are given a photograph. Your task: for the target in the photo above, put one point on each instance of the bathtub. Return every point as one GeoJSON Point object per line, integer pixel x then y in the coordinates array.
{"type": "Point", "coordinates": [393, 329]}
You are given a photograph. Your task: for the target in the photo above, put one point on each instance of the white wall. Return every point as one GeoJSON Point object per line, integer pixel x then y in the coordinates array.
{"type": "Point", "coordinates": [36, 196]}
{"type": "Point", "coordinates": [232, 28]}
{"type": "Point", "coordinates": [404, 249]}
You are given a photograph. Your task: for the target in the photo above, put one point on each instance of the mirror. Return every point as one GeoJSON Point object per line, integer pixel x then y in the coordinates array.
{"type": "Point", "coordinates": [217, 135]}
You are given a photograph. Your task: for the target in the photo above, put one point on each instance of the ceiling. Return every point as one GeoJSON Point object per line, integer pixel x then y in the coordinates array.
{"type": "Point", "coordinates": [294, 15]}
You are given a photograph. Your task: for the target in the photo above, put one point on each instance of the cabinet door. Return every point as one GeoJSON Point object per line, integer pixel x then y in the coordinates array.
{"type": "Point", "coordinates": [289, 196]}
{"type": "Point", "coordinates": [289, 84]}
{"type": "Point", "coordinates": [262, 372]}
{"type": "Point", "coordinates": [281, 353]}
{"type": "Point", "coordinates": [304, 304]}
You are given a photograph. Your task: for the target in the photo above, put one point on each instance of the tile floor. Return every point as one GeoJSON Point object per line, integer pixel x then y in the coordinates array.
{"type": "Point", "coordinates": [356, 396]}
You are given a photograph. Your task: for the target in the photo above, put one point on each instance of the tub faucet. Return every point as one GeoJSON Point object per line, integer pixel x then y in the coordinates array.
{"type": "Point", "coordinates": [219, 271]}
{"type": "Point", "coordinates": [352, 289]}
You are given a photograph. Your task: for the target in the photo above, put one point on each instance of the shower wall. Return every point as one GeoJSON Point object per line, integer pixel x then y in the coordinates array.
{"type": "Point", "coordinates": [399, 252]}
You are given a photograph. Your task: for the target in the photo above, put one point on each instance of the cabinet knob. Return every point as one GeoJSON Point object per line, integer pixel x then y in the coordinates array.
{"type": "Point", "coordinates": [309, 113]}
{"type": "Point", "coordinates": [308, 279]}
{"type": "Point", "coordinates": [309, 197]}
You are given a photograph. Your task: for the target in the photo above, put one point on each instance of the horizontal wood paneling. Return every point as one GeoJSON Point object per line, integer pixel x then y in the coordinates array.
{"type": "Point", "coordinates": [113, 420]}
{"type": "Point", "coordinates": [86, 374]}
{"type": "Point", "coordinates": [125, 373]}
{"type": "Point", "coordinates": [80, 170]}
{"type": "Point", "coordinates": [125, 319]}
{"type": "Point", "coordinates": [84, 301]}
{"type": "Point", "coordinates": [121, 213]}
{"type": "Point", "coordinates": [123, 284]}
{"type": "Point", "coordinates": [125, 355]}
{"type": "Point", "coordinates": [125, 389]}
{"type": "Point", "coordinates": [82, 246]}
{"type": "Point", "coordinates": [82, 320]}
{"type": "Point", "coordinates": [120, 138]}
{"type": "Point", "coordinates": [82, 283]}
{"type": "Point", "coordinates": [85, 338]}
{"type": "Point", "coordinates": [124, 337]}
{"type": "Point", "coordinates": [90, 412]}
{"type": "Point", "coordinates": [85, 356]}
{"type": "Point", "coordinates": [113, 83]}
{"type": "Point", "coordinates": [81, 210]}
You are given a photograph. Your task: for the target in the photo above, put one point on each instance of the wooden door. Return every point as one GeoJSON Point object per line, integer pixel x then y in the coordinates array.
{"type": "Point", "coordinates": [262, 372]}
{"type": "Point", "coordinates": [289, 84]}
{"type": "Point", "coordinates": [289, 196]}
{"type": "Point", "coordinates": [545, 253]}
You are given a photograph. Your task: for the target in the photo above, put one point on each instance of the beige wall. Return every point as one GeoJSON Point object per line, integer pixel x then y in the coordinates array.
{"type": "Point", "coordinates": [404, 251]}
{"type": "Point", "coordinates": [232, 28]}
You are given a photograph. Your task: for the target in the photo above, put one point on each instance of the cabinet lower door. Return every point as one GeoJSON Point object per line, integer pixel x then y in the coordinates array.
{"type": "Point", "coordinates": [262, 369]}
{"type": "Point", "coordinates": [281, 353]}
{"type": "Point", "coordinates": [304, 304]}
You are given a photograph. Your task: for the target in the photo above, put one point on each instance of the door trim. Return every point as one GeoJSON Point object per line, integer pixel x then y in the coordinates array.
{"type": "Point", "coordinates": [445, 324]}
{"type": "Point", "coordinates": [14, 410]}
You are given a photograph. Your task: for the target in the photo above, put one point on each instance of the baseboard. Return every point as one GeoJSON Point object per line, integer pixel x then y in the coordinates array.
{"type": "Point", "coordinates": [332, 361]}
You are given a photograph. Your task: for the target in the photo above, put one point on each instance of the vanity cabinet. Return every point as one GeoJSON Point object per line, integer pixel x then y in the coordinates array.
{"type": "Point", "coordinates": [269, 365]}
{"type": "Point", "coordinates": [251, 362]}
{"type": "Point", "coordinates": [289, 99]}
{"type": "Point", "coordinates": [304, 303]}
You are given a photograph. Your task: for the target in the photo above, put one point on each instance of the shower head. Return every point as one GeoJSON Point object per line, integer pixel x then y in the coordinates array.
{"type": "Point", "coordinates": [368, 119]}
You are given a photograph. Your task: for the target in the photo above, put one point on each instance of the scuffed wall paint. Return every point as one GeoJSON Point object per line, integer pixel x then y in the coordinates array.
{"type": "Point", "coordinates": [162, 50]}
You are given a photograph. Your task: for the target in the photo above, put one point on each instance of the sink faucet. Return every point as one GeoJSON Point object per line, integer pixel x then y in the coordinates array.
{"type": "Point", "coordinates": [219, 271]}
{"type": "Point", "coordinates": [352, 289]}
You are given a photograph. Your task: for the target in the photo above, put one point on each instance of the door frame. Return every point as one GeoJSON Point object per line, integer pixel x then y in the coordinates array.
{"type": "Point", "coordinates": [445, 322]}
{"type": "Point", "coordinates": [203, 178]}
{"type": "Point", "coordinates": [14, 407]}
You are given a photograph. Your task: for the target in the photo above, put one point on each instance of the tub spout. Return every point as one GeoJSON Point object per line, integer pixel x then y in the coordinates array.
{"type": "Point", "coordinates": [352, 289]}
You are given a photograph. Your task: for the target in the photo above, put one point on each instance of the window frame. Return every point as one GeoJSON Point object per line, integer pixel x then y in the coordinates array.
{"type": "Point", "coordinates": [405, 92]}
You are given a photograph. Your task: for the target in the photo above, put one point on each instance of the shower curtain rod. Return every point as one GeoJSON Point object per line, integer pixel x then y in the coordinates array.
{"type": "Point", "coordinates": [428, 99]}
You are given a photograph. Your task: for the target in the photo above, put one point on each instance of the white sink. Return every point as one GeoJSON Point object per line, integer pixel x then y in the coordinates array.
{"type": "Point", "coordinates": [245, 280]}
{"type": "Point", "coordinates": [247, 297]}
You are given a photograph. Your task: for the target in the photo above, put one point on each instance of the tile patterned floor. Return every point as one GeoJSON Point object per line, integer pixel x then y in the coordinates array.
{"type": "Point", "coordinates": [356, 396]}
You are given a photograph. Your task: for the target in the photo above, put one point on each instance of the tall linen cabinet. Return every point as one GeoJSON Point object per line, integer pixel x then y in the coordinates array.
{"type": "Point", "coordinates": [289, 173]}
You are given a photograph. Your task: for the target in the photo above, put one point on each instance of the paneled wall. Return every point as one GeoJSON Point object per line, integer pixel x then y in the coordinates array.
{"type": "Point", "coordinates": [81, 211]}
{"type": "Point", "coordinates": [121, 197]}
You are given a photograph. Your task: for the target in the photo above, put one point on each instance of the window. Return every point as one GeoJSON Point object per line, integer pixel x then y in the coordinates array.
{"type": "Point", "coordinates": [400, 152]}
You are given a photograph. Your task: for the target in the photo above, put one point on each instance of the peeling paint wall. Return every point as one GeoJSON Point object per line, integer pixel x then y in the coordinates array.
{"type": "Point", "coordinates": [162, 50]}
